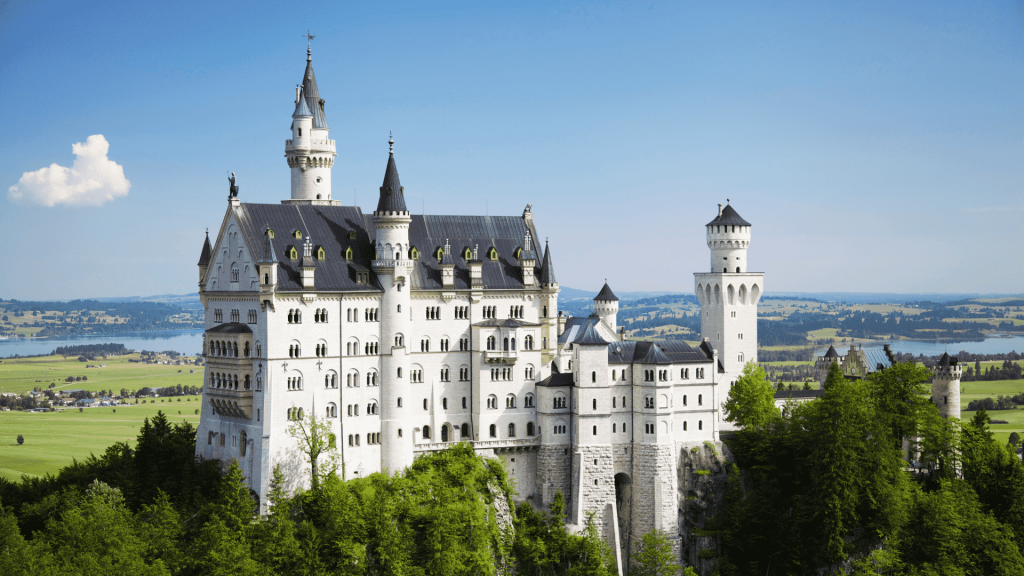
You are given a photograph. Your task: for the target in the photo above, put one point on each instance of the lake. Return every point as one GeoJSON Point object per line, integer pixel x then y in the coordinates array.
{"type": "Point", "coordinates": [992, 345]}
{"type": "Point", "coordinates": [188, 342]}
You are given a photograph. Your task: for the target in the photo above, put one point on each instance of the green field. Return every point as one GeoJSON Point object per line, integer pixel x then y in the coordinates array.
{"type": "Point", "coordinates": [52, 439]}
{"type": "Point", "coordinates": [23, 374]}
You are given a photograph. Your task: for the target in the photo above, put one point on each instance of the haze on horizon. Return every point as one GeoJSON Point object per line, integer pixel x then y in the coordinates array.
{"type": "Point", "coordinates": [874, 148]}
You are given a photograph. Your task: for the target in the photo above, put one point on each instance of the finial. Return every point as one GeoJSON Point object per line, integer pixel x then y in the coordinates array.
{"type": "Point", "coordinates": [207, 232]}
{"type": "Point", "coordinates": [726, 200]}
{"type": "Point", "coordinates": [309, 51]}
{"type": "Point", "coordinates": [391, 142]}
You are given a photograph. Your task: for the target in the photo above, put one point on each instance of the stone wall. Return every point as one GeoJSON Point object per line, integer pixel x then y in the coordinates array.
{"type": "Point", "coordinates": [521, 465]}
{"type": "Point", "coordinates": [593, 477]}
{"type": "Point", "coordinates": [552, 472]}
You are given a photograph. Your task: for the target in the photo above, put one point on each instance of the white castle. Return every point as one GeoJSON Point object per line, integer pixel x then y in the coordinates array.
{"type": "Point", "coordinates": [408, 332]}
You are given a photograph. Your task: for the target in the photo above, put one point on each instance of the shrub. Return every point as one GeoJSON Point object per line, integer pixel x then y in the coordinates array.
{"type": "Point", "coordinates": [702, 472]}
{"type": "Point", "coordinates": [115, 410]}
{"type": "Point", "coordinates": [711, 445]}
{"type": "Point", "coordinates": [695, 449]}
{"type": "Point", "coordinates": [707, 554]}
{"type": "Point", "coordinates": [21, 439]}
{"type": "Point", "coordinates": [81, 409]}
{"type": "Point", "coordinates": [197, 411]}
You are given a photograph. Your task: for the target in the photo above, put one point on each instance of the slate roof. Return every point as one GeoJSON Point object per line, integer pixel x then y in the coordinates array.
{"type": "Point", "coordinates": [330, 226]}
{"type": "Point", "coordinates": [831, 352]}
{"type": "Point", "coordinates": [556, 380]}
{"type": "Point", "coordinates": [730, 217]}
{"type": "Point", "coordinates": [311, 94]}
{"type": "Point", "coordinates": [547, 270]}
{"type": "Point", "coordinates": [877, 359]}
{"type": "Point", "coordinates": [301, 108]}
{"type": "Point", "coordinates": [207, 253]}
{"type": "Point", "coordinates": [392, 196]}
{"type": "Point", "coordinates": [574, 326]}
{"type": "Point", "coordinates": [230, 328]}
{"type": "Point", "coordinates": [661, 352]}
{"type": "Point", "coordinates": [269, 256]}
{"type": "Point", "coordinates": [947, 360]}
{"type": "Point", "coordinates": [589, 337]}
{"type": "Point", "coordinates": [606, 294]}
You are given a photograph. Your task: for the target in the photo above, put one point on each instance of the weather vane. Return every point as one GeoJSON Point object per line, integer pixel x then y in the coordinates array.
{"type": "Point", "coordinates": [309, 37]}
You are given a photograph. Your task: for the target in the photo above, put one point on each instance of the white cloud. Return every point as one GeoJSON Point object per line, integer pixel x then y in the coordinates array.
{"type": "Point", "coordinates": [91, 181]}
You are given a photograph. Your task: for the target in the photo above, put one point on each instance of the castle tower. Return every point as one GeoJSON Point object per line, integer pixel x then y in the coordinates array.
{"type": "Point", "coordinates": [946, 386]}
{"type": "Point", "coordinates": [549, 305]}
{"type": "Point", "coordinates": [204, 259]}
{"type": "Point", "coordinates": [310, 152]}
{"type": "Point", "coordinates": [824, 363]}
{"type": "Point", "coordinates": [606, 305]}
{"type": "Point", "coordinates": [728, 296]}
{"type": "Point", "coordinates": [392, 266]}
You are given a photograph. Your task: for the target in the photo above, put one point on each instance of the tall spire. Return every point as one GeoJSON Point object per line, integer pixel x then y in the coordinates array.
{"type": "Point", "coordinates": [392, 195]}
{"type": "Point", "coordinates": [547, 270]}
{"type": "Point", "coordinates": [207, 254]}
{"type": "Point", "coordinates": [312, 94]}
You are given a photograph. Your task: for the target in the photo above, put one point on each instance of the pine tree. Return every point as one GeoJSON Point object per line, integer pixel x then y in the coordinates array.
{"type": "Point", "coordinates": [653, 556]}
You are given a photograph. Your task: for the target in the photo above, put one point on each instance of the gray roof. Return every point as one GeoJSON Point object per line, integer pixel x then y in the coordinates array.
{"type": "Point", "coordinates": [606, 294]}
{"type": "Point", "coordinates": [331, 225]}
{"type": "Point", "coordinates": [946, 360]}
{"type": "Point", "coordinates": [230, 328]}
{"type": "Point", "coordinates": [556, 380]}
{"type": "Point", "coordinates": [207, 253]}
{"type": "Point", "coordinates": [590, 337]}
{"type": "Point", "coordinates": [661, 352]}
{"type": "Point", "coordinates": [301, 108]}
{"type": "Point", "coordinates": [574, 326]}
{"type": "Point", "coordinates": [547, 270]}
{"type": "Point", "coordinates": [269, 256]}
{"type": "Point", "coordinates": [311, 94]}
{"type": "Point", "coordinates": [877, 359]}
{"type": "Point", "coordinates": [730, 217]}
{"type": "Point", "coordinates": [831, 352]}
{"type": "Point", "coordinates": [392, 195]}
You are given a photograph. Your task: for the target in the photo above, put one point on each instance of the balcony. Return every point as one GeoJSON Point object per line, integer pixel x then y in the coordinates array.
{"type": "Point", "coordinates": [511, 444]}
{"type": "Point", "coordinates": [503, 357]}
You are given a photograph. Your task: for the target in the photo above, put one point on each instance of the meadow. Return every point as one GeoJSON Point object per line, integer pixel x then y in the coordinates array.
{"type": "Point", "coordinates": [53, 439]}
{"type": "Point", "coordinates": [24, 374]}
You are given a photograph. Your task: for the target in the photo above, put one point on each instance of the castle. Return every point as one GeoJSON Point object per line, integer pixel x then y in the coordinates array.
{"type": "Point", "coordinates": [407, 332]}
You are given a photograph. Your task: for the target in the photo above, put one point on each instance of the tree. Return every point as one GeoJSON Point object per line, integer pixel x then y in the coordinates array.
{"type": "Point", "coordinates": [653, 556]}
{"type": "Point", "coordinates": [1014, 439]}
{"type": "Point", "coordinates": [751, 402]}
{"type": "Point", "coordinates": [21, 439]}
{"type": "Point", "coordinates": [316, 441]}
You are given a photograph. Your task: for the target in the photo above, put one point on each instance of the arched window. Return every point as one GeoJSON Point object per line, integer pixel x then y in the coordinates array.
{"type": "Point", "coordinates": [243, 438]}
{"type": "Point", "coordinates": [494, 431]}
{"type": "Point", "coordinates": [465, 431]}
{"type": "Point", "coordinates": [444, 433]}
{"type": "Point", "coordinates": [595, 430]}
{"type": "Point", "coordinates": [529, 428]}
{"type": "Point", "coordinates": [511, 430]}
{"type": "Point", "coordinates": [506, 344]}
{"type": "Point", "coordinates": [399, 402]}
{"type": "Point", "coordinates": [426, 432]}
{"type": "Point", "coordinates": [348, 254]}
{"type": "Point", "coordinates": [593, 376]}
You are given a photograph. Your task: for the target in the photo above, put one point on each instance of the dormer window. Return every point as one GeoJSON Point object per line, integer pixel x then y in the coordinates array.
{"type": "Point", "coordinates": [414, 254]}
{"type": "Point", "coordinates": [348, 254]}
{"type": "Point", "coordinates": [518, 253]}
{"type": "Point", "coordinates": [320, 254]}
{"type": "Point", "coordinates": [440, 254]}
{"type": "Point", "coordinates": [352, 235]}
{"type": "Point", "coordinates": [492, 253]}
{"type": "Point", "coordinates": [467, 254]}
{"type": "Point", "coordinates": [293, 253]}
{"type": "Point", "coordinates": [297, 234]}
{"type": "Point", "coordinates": [270, 233]}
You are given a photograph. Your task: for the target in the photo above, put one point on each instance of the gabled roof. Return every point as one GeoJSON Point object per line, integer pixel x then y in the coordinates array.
{"type": "Point", "coordinates": [730, 217]}
{"type": "Point", "coordinates": [831, 352]}
{"type": "Point", "coordinates": [606, 294]}
{"type": "Point", "coordinates": [661, 352]}
{"type": "Point", "coordinates": [590, 337]}
{"type": "Point", "coordinates": [556, 381]}
{"type": "Point", "coordinates": [392, 197]}
{"type": "Point", "coordinates": [207, 254]}
{"type": "Point", "coordinates": [311, 94]}
{"type": "Point", "coordinates": [507, 323]}
{"type": "Point", "coordinates": [547, 270]}
{"type": "Point", "coordinates": [331, 226]}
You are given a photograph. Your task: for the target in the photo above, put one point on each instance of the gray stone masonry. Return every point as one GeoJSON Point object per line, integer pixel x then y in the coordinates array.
{"type": "Point", "coordinates": [703, 481]}
{"type": "Point", "coordinates": [553, 472]}
{"type": "Point", "coordinates": [594, 482]}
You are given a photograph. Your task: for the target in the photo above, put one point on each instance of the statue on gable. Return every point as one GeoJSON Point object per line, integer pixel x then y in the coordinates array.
{"type": "Point", "coordinates": [234, 187]}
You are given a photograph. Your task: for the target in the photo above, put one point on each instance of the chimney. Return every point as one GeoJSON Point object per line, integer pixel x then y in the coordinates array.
{"type": "Point", "coordinates": [719, 206]}
{"type": "Point", "coordinates": [298, 90]}
{"type": "Point", "coordinates": [476, 270]}
{"type": "Point", "coordinates": [447, 267]}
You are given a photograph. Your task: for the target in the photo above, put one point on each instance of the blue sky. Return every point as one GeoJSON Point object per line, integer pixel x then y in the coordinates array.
{"type": "Point", "coordinates": [875, 147]}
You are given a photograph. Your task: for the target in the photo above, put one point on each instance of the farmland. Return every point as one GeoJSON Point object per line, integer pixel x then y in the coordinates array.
{"type": "Point", "coordinates": [53, 439]}
{"type": "Point", "coordinates": [22, 375]}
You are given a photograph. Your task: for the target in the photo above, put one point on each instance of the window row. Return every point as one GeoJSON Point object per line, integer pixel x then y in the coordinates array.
{"type": "Point", "coordinates": [229, 381]}
{"type": "Point", "coordinates": [490, 311]}
{"type": "Point", "coordinates": [515, 311]}
{"type": "Point", "coordinates": [433, 312]}
{"type": "Point", "coordinates": [510, 401]}
{"type": "Point", "coordinates": [508, 344]}
{"type": "Point", "coordinates": [369, 315]}
{"type": "Point", "coordinates": [331, 380]}
{"type": "Point", "coordinates": [295, 383]}
{"type": "Point", "coordinates": [462, 312]}
{"type": "Point", "coordinates": [371, 438]}
{"type": "Point", "coordinates": [371, 409]}
{"type": "Point", "coordinates": [320, 316]}
{"type": "Point", "coordinates": [530, 430]}
{"type": "Point", "coordinates": [294, 316]}
{"type": "Point", "coordinates": [321, 350]}
{"type": "Point", "coordinates": [294, 351]}
{"type": "Point", "coordinates": [295, 414]}
{"type": "Point", "coordinates": [226, 349]}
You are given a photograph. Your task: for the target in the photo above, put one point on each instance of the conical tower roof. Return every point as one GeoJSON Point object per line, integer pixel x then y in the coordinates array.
{"type": "Point", "coordinates": [547, 270]}
{"type": "Point", "coordinates": [730, 217]}
{"type": "Point", "coordinates": [392, 198]}
{"type": "Point", "coordinates": [606, 294]}
{"type": "Point", "coordinates": [831, 353]}
{"type": "Point", "coordinates": [311, 94]}
{"type": "Point", "coordinates": [301, 107]}
{"type": "Point", "coordinates": [207, 253]}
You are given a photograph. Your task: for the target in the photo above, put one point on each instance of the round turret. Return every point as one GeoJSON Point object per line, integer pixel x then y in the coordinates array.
{"type": "Point", "coordinates": [310, 152]}
{"type": "Point", "coordinates": [728, 239]}
{"type": "Point", "coordinates": [946, 386]}
{"type": "Point", "coordinates": [606, 306]}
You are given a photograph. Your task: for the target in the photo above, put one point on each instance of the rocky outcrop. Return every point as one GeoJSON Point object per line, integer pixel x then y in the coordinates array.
{"type": "Point", "coordinates": [703, 480]}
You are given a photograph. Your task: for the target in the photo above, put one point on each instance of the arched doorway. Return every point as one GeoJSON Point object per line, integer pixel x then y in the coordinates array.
{"type": "Point", "coordinates": [624, 505]}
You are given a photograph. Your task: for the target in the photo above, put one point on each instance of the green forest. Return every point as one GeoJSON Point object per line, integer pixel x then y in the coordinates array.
{"type": "Point", "coordinates": [822, 487]}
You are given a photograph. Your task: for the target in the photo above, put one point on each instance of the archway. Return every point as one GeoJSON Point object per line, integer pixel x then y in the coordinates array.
{"type": "Point", "coordinates": [624, 505]}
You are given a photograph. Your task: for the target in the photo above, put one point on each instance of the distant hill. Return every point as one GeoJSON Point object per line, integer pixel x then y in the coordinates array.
{"type": "Point", "coordinates": [183, 300]}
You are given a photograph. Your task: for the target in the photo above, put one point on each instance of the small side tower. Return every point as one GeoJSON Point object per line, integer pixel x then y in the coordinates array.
{"type": "Point", "coordinates": [548, 306]}
{"type": "Point", "coordinates": [310, 152]}
{"type": "Point", "coordinates": [946, 386]}
{"type": "Point", "coordinates": [392, 266]}
{"type": "Point", "coordinates": [823, 363]}
{"type": "Point", "coordinates": [606, 305]}
{"type": "Point", "coordinates": [204, 259]}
